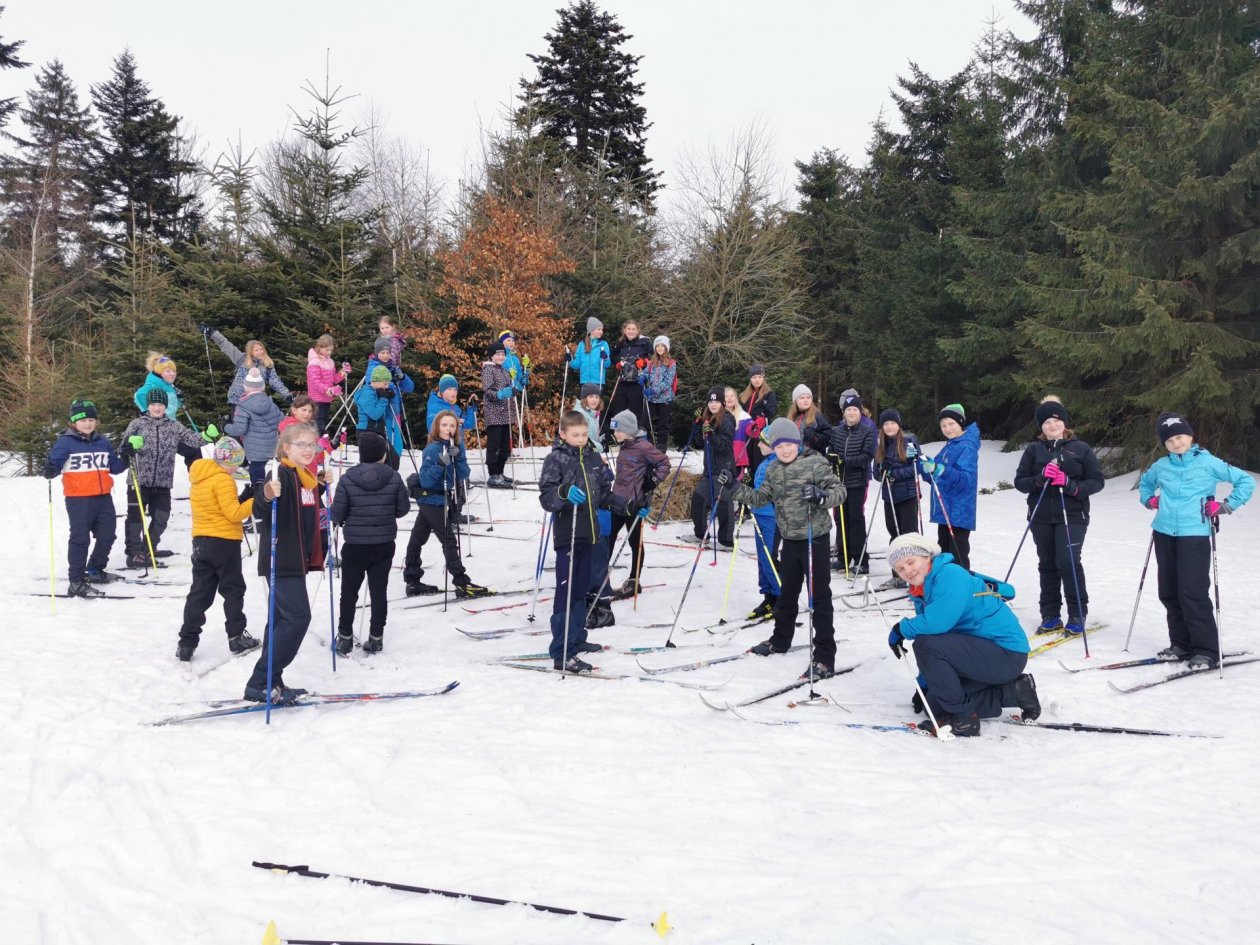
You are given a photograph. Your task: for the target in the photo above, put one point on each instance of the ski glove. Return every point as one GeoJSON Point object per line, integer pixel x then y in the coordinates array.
{"type": "Point", "coordinates": [724, 477]}
{"type": "Point", "coordinates": [211, 433]}
{"type": "Point", "coordinates": [644, 511]}
{"type": "Point", "coordinates": [205, 329]}
{"type": "Point", "coordinates": [526, 363]}
{"type": "Point", "coordinates": [136, 442]}
{"type": "Point", "coordinates": [929, 466]}
{"type": "Point", "coordinates": [384, 393]}
{"type": "Point", "coordinates": [1153, 503]}
{"type": "Point", "coordinates": [575, 495]}
{"type": "Point", "coordinates": [246, 494]}
{"type": "Point", "coordinates": [813, 495]}
{"type": "Point", "coordinates": [504, 394]}
{"type": "Point", "coordinates": [346, 367]}
{"type": "Point", "coordinates": [1212, 508]}
{"type": "Point", "coordinates": [896, 642]}
{"type": "Point", "coordinates": [1054, 475]}
{"type": "Point", "coordinates": [912, 451]}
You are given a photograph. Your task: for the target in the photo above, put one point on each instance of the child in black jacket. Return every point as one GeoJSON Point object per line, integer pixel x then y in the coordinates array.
{"type": "Point", "coordinates": [714, 434]}
{"type": "Point", "coordinates": [572, 486]}
{"type": "Point", "coordinates": [369, 500]}
{"type": "Point", "coordinates": [852, 449]}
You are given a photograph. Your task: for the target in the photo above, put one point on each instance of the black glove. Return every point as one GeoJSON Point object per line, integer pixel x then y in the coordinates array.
{"type": "Point", "coordinates": [885, 467]}
{"type": "Point", "coordinates": [916, 702]}
{"type": "Point", "coordinates": [288, 398]}
{"type": "Point", "coordinates": [813, 495]}
{"type": "Point", "coordinates": [205, 329]}
{"type": "Point", "coordinates": [125, 453]}
{"type": "Point", "coordinates": [896, 642]}
{"type": "Point", "coordinates": [452, 451]}
{"type": "Point", "coordinates": [384, 393]}
{"type": "Point", "coordinates": [725, 477]}
{"type": "Point", "coordinates": [247, 493]}
{"type": "Point", "coordinates": [395, 372]}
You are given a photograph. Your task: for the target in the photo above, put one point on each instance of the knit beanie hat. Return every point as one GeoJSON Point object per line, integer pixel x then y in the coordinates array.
{"type": "Point", "coordinates": [909, 545]}
{"type": "Point", "coordinates": [163, 364]}
{"type": "Point", "coordinates": [380, 373]}
{"type": "Point", "coordinates": [592, 324]}
{"type": "Point", "coordinates": [718, 394]}
{"type": "Point", "coordinates": [890, 414]}
{"type": "Point", "coordinates": [158, 396]}
{"type": "Point", "coordinates": [850, 400]}
{"type": "Point", "coordinates": [228, 452]}
{"type": "Point", "coordinates": [800, 390]}
{"type": "Point", "coordinates": [447, 382]}
{"type": "Point", "coordinates": [589, 390]}
{"type": "Point", "coordinates": [782, 430]}
{"type": "Point", "coordinates": [660, 340]}
{"type": "Point", "coordinates": [506, 334]}
{"type": "Point", "coordinates": [755, 369]}
{"type": "Point", "coordinates": [254, 379]}
{"type": "Point", "coordinates": [626, 422]}
{"type": "Point", "coordinates": [372, 447]}
{"type": "Point", "coordinates": [954, 412]}
{"type": "Point", "coordinates": [1172, 424]}
{"type": "Point", "coordinates": [382, 344]}
{"type": "Point", "coordinates": [495, 348]}
{"type": "Point", "coordinates": [1051, 408]}
{"type": "Point", "coordinates": [81, 409]}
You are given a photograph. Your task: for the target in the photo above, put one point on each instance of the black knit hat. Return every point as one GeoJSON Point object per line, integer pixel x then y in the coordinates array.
{"type": "Point", "coordinates": [495, 348]}
{"type": "Point", "coordinates": [158, 396]}
{"type": "Point", "coordinates": [372, 447]}
{"type": "Point", "coordinates": [718, 394]}
{"type": "Point", "coordinates": [852, 400]}
{"type": "Point", "coordinates": [953, 412]}
{"type": "Point", "coordinates": [754, 369]}
{"type": "Point", "coordinates": [81, 409]}
{"type": "Point", "coordinates": [589, 390]}
{"type": "Point", "coordinates": [889, 414]}
{"type": "Point", "coordinates": [1051, 408]}
{"type": "Point", "coordinates": [1172, 424]}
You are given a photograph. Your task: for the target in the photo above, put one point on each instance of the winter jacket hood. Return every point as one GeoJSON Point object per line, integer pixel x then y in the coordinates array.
{"type": "Point", "coordinates": [256, 424]}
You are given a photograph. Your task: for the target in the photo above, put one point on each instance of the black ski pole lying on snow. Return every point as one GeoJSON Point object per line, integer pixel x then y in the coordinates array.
{"type": "Point", "coordinates": [490, 900]}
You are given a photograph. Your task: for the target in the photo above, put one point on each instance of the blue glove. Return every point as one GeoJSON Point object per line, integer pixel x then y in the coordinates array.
{"type": "Point", "coordinates": [644, 512]}
{"type": "Point", "coordinates": [504, 394]}
{"type": "Point", "coordinates": [603, 354]}
{"type": "Point", "coordinates": [576, 495]}
{"type": "Point", "coordinates": [929, 466]}
{"type": "Point", "coordinates": [896, 642]}
{"type": "Point", "coordinates": [911, 451]}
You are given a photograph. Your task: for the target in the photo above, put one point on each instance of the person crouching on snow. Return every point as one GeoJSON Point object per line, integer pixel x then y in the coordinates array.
{"type": "Point", "coordinates": [969, 645]}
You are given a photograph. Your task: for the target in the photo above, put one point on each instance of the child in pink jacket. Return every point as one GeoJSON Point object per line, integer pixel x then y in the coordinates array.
{"type": "Point", "coordinates": [323, 380]}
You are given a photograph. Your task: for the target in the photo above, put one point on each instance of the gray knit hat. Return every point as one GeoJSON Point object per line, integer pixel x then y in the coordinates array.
{"type": "Point", "coordinates": [783, 430]}
{"type": "Point", "coordinates": [593, 323]}
{"type": "Point", "coordinates": [910, 545]}
{"type": "Point", "coordinates": [589, 390]}
{"type": "Point", "coordinates": [800, 389]}
{"type": "Point", "coordinates": [626, 422]}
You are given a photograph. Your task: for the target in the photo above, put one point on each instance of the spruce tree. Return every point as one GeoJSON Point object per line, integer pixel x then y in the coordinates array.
{"type": "Point", "coordinates": [585, 99]}
{"type": "Point", "coordinates": [9, 60]}
{"type": "Point", "coordinates": [138, 178]}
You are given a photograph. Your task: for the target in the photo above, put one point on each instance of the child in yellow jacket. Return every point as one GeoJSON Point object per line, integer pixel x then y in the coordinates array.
{"type": "Point", "coordinates": [217, 514]}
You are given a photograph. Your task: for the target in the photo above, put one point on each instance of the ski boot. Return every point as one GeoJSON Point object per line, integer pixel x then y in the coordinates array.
{"type": "Point", "coordinates": [470, 590]}
{"type": "Point", "coordinates": [894, 583]}
{"type": "Point", "coordinates": [1173, 653]}
{"type": "Point", "coordinates": [765, 648]}
{"type": "Point", "coordinates": [498, 482]}
{"type": "Point", "coordinates": [259, 694]}
{"type": "Point", "coordinates": [373, 644]}
{"type": "Point", "coordinates": [345, 644]}
{"type": "Point", "coordinates": [243, 642]}
{"type": "Point", "coordinates": [572, 665]}
{"type": "Point", "coordinates": [589, 647]}
{"type": "Point", "coordinates": [101, 576]}
{"type": "Point", "coordinates": [764, 610]}
{"type": "Point", "coordinates": [163, 553]}
{"type": "Point", "coordinates": [963, 726]}
{"type": "Point", "coordinates": [817, 670]}
{"type": "Point", "coordinates": [184, 653]}
{"type": "Point", "coordinates": [84, 589]}
{"type": "Point", "coordinates": [1050, 625]}
{"type": "Point", "coordinates": [1202, 661]}
{"type": "Point", "coordinates": [141, 562]}
{"type": "Point", "coordinates": [1026, 698]}
{"type": "Point", "coordinates": [419, 588]}
{"type": "Point", "coordinates": [1074, 627]}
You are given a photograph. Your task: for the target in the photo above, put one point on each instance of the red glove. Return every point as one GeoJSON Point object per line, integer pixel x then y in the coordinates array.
{"type": "Point", "coordinates": [640, 363]}
{"type": "Point", "coordinates": [1153, 503]}
{"type": "Point", "coordinates": [617, 366]}
{"type": "Point", "coordinates": [758, 425]}
{"type": "Point", "coordinates": [1054, 475]}
{"type": "Point", "coordinates": [334, 392]}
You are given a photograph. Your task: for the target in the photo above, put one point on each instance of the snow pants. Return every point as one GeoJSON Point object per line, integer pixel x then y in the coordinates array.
{"type": "Point", "coordinates": [959, 545]}
{"type": "Point", "coordinates": [701, 507]}
{"type": "Point", "coordinates": [293, 617]}
{"type": "Point", "coordinates": [570, 600]}
{"type": "Point", "coordinates": [216, 568]}
{"type": "Point", "coordinates": [793, 571]}
{"type": "Point", "coordinates": [157, 506]}
{"type": "Point", "coordinates": [767, 541]}
{"type": "Point", "coordinates": [967, 674]}
{"type": "Point", "coordinates": [433, 520]}
{"type": "Point", "coordinates": [1056, 559]}
{"type": "Point", "coordinates": [658, 424]}
{"type": "Point", "coordinates": [372, 562]}
{"type": "Point", "coordinates": [90, 517]}
{"type": "Point", "coordinates": [498, 447]}
{"type": "Point", "coordinates": [633, 526]}
{"type": "Point", "coordinates": [851, 517]}
{"type": "Point", "coordinates": [901, 517]}
{"type": "Point", "coordinates": [627, 396]}
{"type": "Point", "coordinates": [1184, 566]}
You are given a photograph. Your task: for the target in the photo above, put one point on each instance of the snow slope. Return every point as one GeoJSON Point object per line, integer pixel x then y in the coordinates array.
{"type": "Point", "coordinates": [614, 797]}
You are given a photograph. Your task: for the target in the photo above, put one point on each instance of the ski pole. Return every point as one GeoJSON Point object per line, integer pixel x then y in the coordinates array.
{"type": "Point", "coordinates": [638, 572]}
{"type": "Point", "coordinates": [144, 523]}
{"type": "Point", "coordinates": [271, 602]}
{"type": "Point", "coordinates": [1074, 560]}
{"type": "Point", "coordinates": [568, 592]}
{"type": "Point", "coordinates": [608, 574]}
{"type": "Point", "coordinates": [564, 386]}
{"type": "Point", "coordinates": [918, 494]}
{"type": "Point", "coordinates": [332, 611]}
{"type": "Point", "coordinates": [400, 424]}
{"type": "Point", "coordinates": [485, 481]}
{"type": "Point", "coordinates": [52, 555]}
{"type": "Point", "coordinates": [1022, 537]}
{"type": "Point", "coordinates": [765, 547]}
{"type": "Point", "coordinates": [730, 570]}
{"type": "Point", "coordinates": [708, 464]}
{"type": "Point", "coordinates": [1141, 583]}
{"type": "Point", "coordinates": [673, 482]}
{"type": "Point", "coordinates": [844, 542]}
{"type": "Point", "coordinates": [809, 593]}
{"type": "Point", "coordinates": [694, 564]}
{"type": "Point", "coordinates": [209, 362]}
{"type": "Point", "coordinates": [542, 560]}
{"type": "Point", "coordinates": [1213, 525]}
{"type": "Point", "coordinates": [940, 499]}
{"type": "Point", "coordinates": [927, 706]}
{"type": "Point", "coordinates": [191, 422]}
{"type": "Point", "coordinates": [870, 525]}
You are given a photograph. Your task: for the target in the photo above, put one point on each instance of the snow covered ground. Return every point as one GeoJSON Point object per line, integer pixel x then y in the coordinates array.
{"type": "Point", "coordinates": [614, 796]}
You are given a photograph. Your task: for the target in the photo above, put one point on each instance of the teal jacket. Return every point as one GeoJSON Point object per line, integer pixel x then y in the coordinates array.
{"type": "Point", "coordinates": [156, 380]}
{"type": "Point", "coordinates": [956, 601]}
{"type": "Point", "coordinates": [1183, 482]}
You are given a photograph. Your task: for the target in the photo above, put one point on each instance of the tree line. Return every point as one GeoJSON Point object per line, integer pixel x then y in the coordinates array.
{"type": "Point", "coordinates": [1072, 213]}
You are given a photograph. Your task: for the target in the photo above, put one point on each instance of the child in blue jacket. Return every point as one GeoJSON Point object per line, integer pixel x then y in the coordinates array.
{"type": "Point", "coordinates": [767, 537]}
{"type": "Point", "coordinates": [955, 473]}
{"type": "Point", "coordinates": [591, 356]}
{"type": "Point", "coordinates": [379, 402]}
{"type": "Point", "coordinates": [1181, 489]}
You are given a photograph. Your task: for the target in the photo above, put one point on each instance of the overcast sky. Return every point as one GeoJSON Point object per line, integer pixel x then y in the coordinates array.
{"type": "Point", "coordinates": [814, 74]}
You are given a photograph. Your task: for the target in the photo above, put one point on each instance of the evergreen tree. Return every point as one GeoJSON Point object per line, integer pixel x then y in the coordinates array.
{"type": "Point", "coordinates": [138, 178]}
{"type": "Point", "coordinates": [585, 99]}
{"type": "Point", "coordinates": [1153, 305]}
{"type": "Point", "coordinates": [9, 60]}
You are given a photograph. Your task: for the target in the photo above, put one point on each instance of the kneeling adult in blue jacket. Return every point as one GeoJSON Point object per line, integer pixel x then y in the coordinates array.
{"type": "Point", "coordinates": [969, 645]}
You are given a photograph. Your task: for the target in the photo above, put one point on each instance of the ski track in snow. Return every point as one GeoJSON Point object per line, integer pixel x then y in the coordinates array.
{"type": "Point", "coordinates": [614, 797]}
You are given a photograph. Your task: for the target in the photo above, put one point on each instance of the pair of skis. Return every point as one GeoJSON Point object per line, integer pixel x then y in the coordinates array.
{"type": "Point", "coordinates": [222, 708]}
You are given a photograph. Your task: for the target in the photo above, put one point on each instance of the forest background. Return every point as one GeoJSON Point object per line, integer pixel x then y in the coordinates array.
{"type": "Point", "coordinates": [1073, 212]}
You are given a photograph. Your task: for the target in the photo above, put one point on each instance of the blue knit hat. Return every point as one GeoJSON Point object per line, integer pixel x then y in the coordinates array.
{"type": "Point", "coordinates": [447, 382]}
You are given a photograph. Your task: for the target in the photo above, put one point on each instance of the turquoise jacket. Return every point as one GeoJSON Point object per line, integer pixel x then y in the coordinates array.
{"type": "Point", "coordinates": [956, 601]}
{"type": "Point", "coordinates": [173, 402]}
{"type": "Point", "coordinates": [592, 366]}
{"type": "Point", "coordinates": [1183, 482]}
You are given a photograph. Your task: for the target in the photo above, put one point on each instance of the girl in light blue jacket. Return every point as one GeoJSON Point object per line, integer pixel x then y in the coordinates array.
{"type": "Point", "coordinates": [591, 356]}
{"type": "Point", "coordinates": [1181, 489]}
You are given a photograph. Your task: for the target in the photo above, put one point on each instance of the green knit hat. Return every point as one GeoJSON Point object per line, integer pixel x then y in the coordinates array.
{"type": "Point", "coordinates": [953, 412]}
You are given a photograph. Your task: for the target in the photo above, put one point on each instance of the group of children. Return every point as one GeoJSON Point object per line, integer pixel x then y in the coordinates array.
{"type": "Point", "coordinates": [799, 475]}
